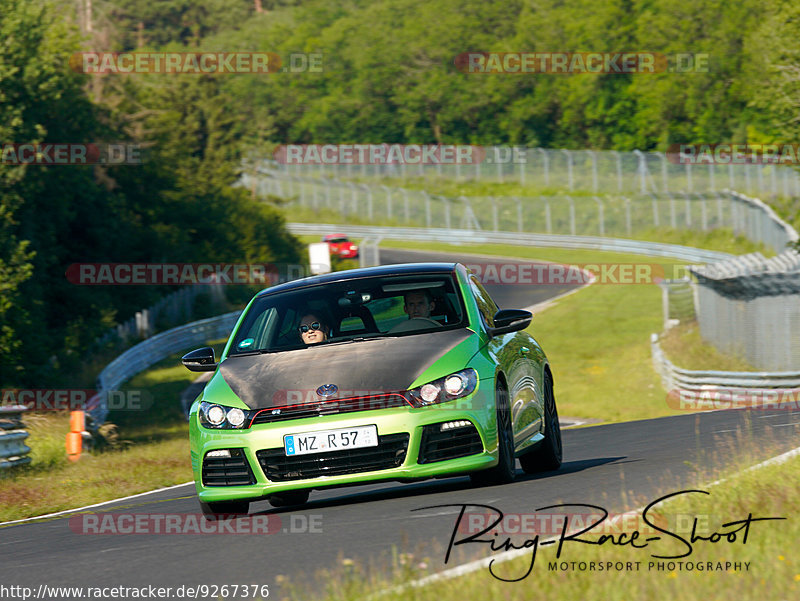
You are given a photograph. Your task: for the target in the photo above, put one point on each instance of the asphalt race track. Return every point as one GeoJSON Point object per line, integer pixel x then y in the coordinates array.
{"type": "Point", "coordinates": [618, 466]}
{"type": "Point", "coordinates": [511, 296]}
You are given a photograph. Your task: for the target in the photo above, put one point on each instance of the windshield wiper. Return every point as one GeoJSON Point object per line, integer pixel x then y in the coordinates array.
{"type": "Point", "coordinates": [360, 339]}
{"type": "Point", "coordinates": [251, 353]}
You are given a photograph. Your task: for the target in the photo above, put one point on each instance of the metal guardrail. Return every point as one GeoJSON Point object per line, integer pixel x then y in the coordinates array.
{"type": "Point", "coordinates": [676, 378]}
{"type": "Point", "coordinates": [153, 350]}
{"type": "Point", "coordinates": [175, 308]}
{"type": "Point", "coordinates": [639, 247]}
{"type": "Point", "coordinates": [13, 450]}
{"type": "Point", "coordinates": [747, 305]}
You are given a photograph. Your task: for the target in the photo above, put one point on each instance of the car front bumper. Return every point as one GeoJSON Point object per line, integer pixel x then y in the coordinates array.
{"type": "Point", "coordinates": [426, 454]}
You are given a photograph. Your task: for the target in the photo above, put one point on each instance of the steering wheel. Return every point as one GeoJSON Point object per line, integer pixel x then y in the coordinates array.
{"type": "Point", "coordinates": [415, 323]}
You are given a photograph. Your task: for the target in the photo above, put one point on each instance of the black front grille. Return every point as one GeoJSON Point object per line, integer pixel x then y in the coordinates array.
{"type": "Point", "coordinates": [438, 445]}
{"type": "Point", "coordinates": [227, 471]}
{"type": "Point", "coordinates": [331, 407]}
{"type": "Point", "coordinates": [390, 452]}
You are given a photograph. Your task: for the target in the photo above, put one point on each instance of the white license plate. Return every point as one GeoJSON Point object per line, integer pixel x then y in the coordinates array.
{"type": "Point", "coordinates": [326, 441]}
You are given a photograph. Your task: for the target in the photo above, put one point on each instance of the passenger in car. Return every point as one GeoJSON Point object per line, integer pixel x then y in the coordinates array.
{"type": "Point", "coordinates": [312, 329]}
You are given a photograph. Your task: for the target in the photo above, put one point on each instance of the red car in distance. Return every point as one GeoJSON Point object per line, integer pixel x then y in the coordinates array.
{"type": "Point", "coordinates": [341, 246]}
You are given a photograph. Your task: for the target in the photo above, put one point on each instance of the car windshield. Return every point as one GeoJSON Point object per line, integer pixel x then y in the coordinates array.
{"type": "Point", "coordinates": [354, 310]}
{"type": "Point", "coordinates": [336, 240]}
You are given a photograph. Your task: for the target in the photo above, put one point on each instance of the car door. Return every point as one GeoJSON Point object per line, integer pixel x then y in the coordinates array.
{"type": "Point", "coordinates": [518, 356]}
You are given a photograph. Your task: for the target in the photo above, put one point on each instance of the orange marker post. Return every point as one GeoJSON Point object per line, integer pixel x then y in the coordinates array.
{"type": "Point", "coordinates": [77, 424]}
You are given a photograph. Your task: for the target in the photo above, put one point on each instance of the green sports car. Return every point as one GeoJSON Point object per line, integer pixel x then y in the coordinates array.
{"type": "Point", "coordinates": [399, 372]}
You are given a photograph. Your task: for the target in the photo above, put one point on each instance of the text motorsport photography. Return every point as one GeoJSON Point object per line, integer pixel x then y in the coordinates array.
{"type": "Point", "coordinates": [667, 543]}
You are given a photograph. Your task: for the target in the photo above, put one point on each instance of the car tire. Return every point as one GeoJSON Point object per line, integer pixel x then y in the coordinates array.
{"type": "Point", "coordinates": [505, 470]}
{"type": "Point", "coordinates": [290, 497]}
{"type": "Point", "coordinates": [548, 454]}
{"type": "Point", "coordinates": [224, 509]}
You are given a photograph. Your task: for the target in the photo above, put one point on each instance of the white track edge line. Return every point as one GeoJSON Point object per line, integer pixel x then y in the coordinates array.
{"type": "Point", "coordinates": [66, 511]}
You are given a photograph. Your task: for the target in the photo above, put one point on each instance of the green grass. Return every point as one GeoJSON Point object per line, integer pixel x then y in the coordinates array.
{"type": "Point", "coordinates": [152, 451]}
{"type": "Point", "coordinates": [95, 478]}
{"type": "Point", "coordinates": [300, 214]}
{"type": "Point", "coordinates": [720, 239]}
{"type": "Point", "coordinates": [788, 209]}
{"type": "Point", "coordinates": [447, 186]}
{"type": "Point", "coordinates": [684, 346]}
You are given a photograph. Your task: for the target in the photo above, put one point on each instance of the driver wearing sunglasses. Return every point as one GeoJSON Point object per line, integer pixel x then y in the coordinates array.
{"type": "Point", "coordinates": [312, 329]}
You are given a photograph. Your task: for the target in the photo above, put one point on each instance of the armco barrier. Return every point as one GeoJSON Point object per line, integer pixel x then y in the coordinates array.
{"type": "Point", "coordinates": [675, 378]}
{"type": "Point", "coordinates": [13, 450]}
{"type": "Point", "coordinates": [622, 245]}
{"type": "Point", "coordinates": [153, 350]}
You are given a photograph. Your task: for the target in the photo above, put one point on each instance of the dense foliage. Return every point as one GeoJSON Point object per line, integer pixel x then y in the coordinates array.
{"type": "Point", "coordinates": [389, 72]}
{"type": "Point", "coordinates": [178, 206]}
{"type": "Point", "coordinates": [388, 76]}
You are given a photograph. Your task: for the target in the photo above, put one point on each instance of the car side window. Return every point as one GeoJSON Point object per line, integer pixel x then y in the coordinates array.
{"type": "Point", "coordinates": [486, 305]}
{"type": "Point", "coordinates": [260, 332]}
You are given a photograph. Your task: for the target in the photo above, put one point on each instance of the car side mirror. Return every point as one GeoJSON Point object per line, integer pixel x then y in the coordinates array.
{"type": "Point", "coordinates": [510, 320]}
{"type": "Point", "coordinates": [201, 359]}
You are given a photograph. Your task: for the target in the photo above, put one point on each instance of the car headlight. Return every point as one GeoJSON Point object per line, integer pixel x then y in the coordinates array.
{"type": "Point", "coordinates": [448, 388]}
{"type": "Point", "coordinates": [220, 417]}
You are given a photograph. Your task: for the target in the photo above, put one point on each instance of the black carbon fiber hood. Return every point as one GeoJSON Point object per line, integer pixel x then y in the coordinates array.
{"type": "Point", "coordinates": [356, 368]}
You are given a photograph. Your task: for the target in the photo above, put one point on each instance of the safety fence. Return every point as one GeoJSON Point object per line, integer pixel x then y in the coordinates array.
{"type": "Point", "coordinates": [13, 450]}
{"type": "Point", "coordinates": [750, 306]}
{"type": "Point", "coordinates": [174, 308]}
{"type": "Point", "coordinates": [678, 301]}
{"type": "Point", "coordinates": [597, 171]}
{"type": "Point", "coordinates": [626, 216]}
